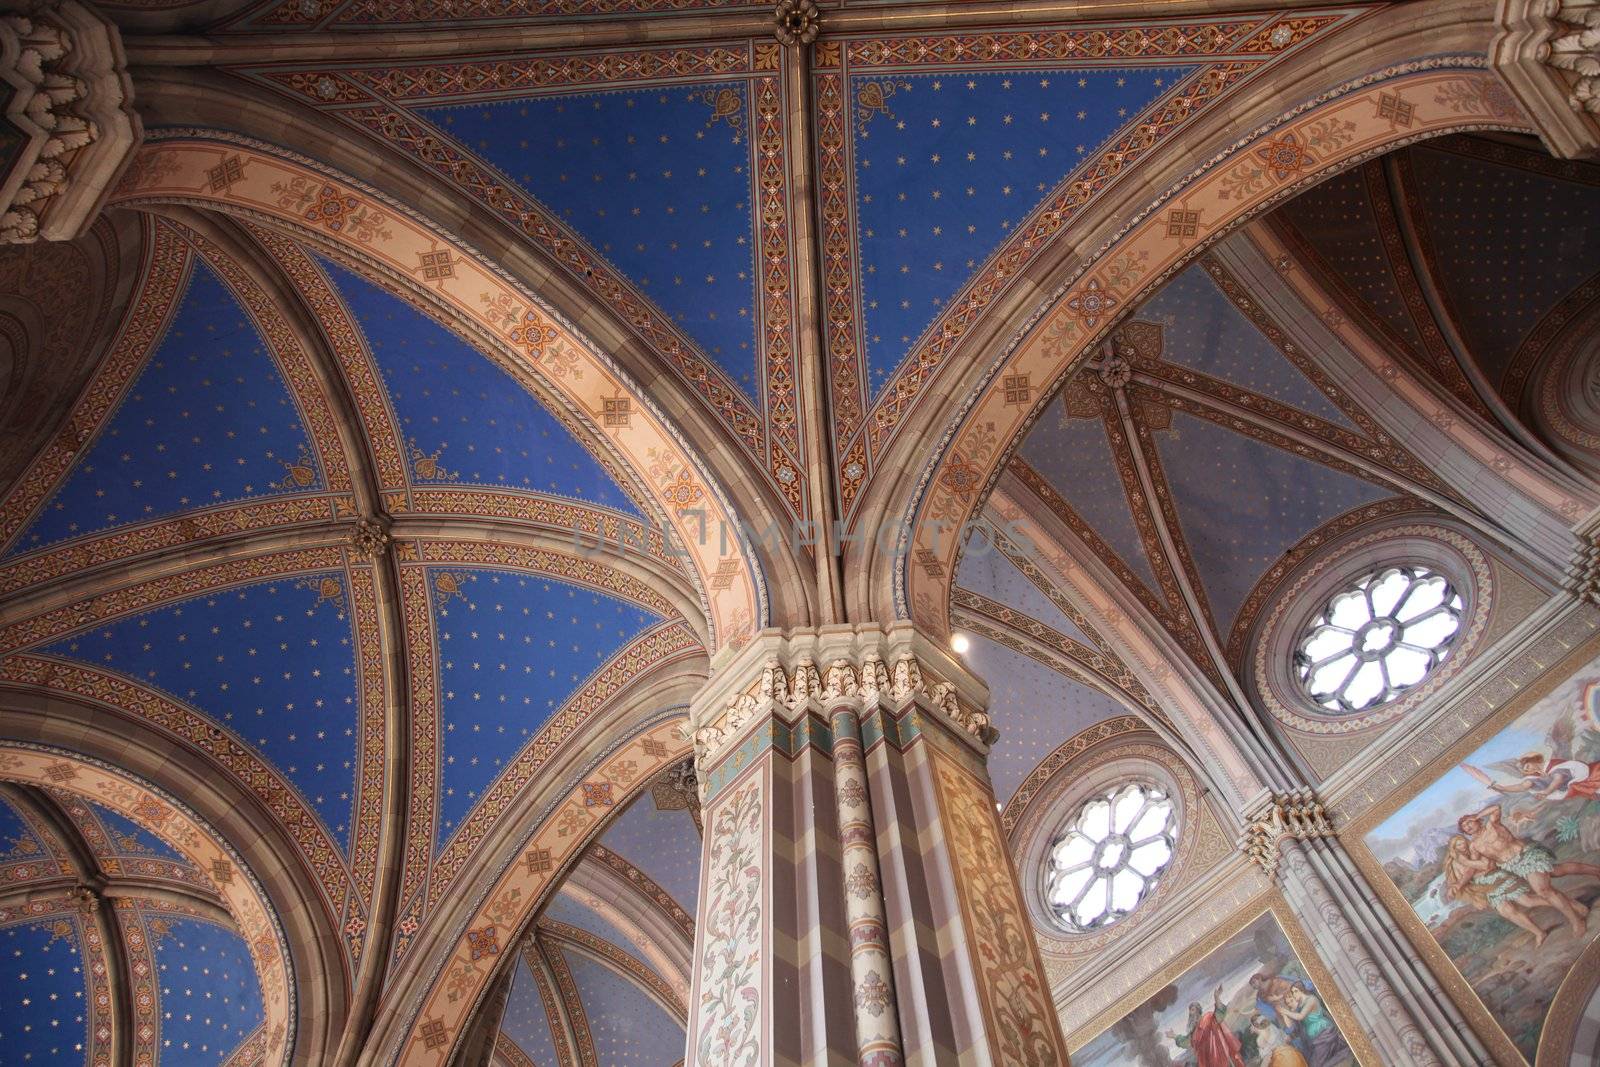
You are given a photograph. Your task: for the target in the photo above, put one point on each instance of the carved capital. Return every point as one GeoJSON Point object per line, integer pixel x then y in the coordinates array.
{"type": "Point", "coordinates": [1548, 54]}
{"type": "Point", "coordinates": [1296, 816]}
{"type": "Point", "coordinates": [1582, 577]}
{"type": "Point", "coordinates": [779, 675]}
{"type": "Point", "coordinates": [841, 680]}
{"type": "Point", "coordinates": [805, 684]}
{"type": "Point", "coordinates": [69, 107]}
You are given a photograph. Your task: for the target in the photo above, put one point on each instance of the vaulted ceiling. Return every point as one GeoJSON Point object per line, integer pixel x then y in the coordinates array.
{"type": "Point", "coordinates": [310, 441]}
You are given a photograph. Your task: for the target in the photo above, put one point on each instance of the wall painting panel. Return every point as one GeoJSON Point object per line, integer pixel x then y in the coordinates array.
{"type": "Point", "coordinates": [1252, 999]}
{"type": "Point", "coordinates": [1495, 859]}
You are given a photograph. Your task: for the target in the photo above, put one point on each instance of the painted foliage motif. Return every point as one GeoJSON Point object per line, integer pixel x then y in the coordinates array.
{"type": "Point", "coordinates": [728, 1023]}
{"type": "Point", "coordinates": [1500, 856]}
{"type": "Point", "coordinates": [1250, 1003]}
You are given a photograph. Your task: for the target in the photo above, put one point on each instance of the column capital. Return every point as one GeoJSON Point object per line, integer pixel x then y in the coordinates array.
{"type": "Point", "coordinates": [70, 103]}
{"type": "Point", "coordinates": [1548, 54]}
{"type": "Point", "coordinates": [1297, 815]}
{"type": "Point", "coordinates": [786, 673]}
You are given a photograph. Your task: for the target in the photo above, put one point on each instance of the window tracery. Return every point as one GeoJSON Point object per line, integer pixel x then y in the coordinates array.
{"type": "Point", "coordinates": [1378, 637]}
{"type": "Point", "coordinates": [1110, 856]}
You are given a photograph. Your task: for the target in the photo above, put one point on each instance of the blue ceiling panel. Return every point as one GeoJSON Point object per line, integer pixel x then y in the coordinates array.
{"type": "Point", "coordinates": [525, 1020]}
{"type": "Point", "coordinates": [210, 999]}
{"type": "Point", "coordinates": [1243, 504]}
{"type": "Point", "coordinates": [663, 844]}
{"type": "Point", "coordinates": [466, 420]}
{"type": "Point", "coordinates": [18, 842]}
{"type": "Point", "coordinates": [628, 1027]}
{"type": "Point", "coordinates": [207, 421]}
{"type": "Point", "coordinates": [512, 650]}
{"type": "Point", "coordinates": [658, 181]}
{"type": "Point", "coordinates": [1035, 709]}
{"type": "Point", "coordinates": [1074, 456]}
{"type": "Point", "coordinates": [274, 662]}
{"type": "Point", "coordinates": [44, 1007]}
{"type": "Point", "coordinates": [986, 571]}
{"type": "Point", "coordinates": [1202, 330]}
{"type": "Point", "coordinates": [951, 163]}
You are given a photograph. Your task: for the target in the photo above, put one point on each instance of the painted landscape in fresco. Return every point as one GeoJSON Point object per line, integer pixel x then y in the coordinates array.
{"type": "Point", "coordinates": [1500, 857]}
{"type": "Point", "coordinates": [1248, 1003]}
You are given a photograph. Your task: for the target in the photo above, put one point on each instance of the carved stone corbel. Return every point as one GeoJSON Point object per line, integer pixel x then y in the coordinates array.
{"type": "Point", "coordinates": [1548, 54]}
{"type": "Point", "coordinates": [1296, 816]}
{"type": "Point", "coordinates": [70, 107]}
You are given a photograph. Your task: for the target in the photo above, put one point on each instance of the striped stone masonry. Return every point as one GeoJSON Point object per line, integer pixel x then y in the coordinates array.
{"type": "Point", "coordinates": [857, 902]}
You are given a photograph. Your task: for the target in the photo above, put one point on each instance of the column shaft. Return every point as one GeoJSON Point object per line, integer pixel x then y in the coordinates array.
{"type": "Point", "coordinates": [858, 904]}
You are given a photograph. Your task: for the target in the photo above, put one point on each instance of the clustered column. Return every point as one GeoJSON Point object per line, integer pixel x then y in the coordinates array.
{"type": "Point", "coordinates": [1408, 1017]}
{"type": "Point", "coordinates": [857, 901]}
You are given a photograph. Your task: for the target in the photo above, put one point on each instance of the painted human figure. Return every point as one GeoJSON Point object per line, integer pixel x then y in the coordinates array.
{"type": "Point", "coordinates": [1527, 860]}
{"type": "Point", "coordinates": [1273, 1047]}
{"type": "Point", "coordinates": [1304, 1011]}
{"type": "Point", "coordinates": [1479, 881]}
{"type": "Point", "coordinates": [1212, 1043]}
{"type": "Point", "coordinates": [1272, 990]}
{"type": "Point", "coordinates": [1547, 779]}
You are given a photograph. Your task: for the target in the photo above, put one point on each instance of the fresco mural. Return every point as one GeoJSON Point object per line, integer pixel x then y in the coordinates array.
{"type": "Point", "coordinates": [1500, 856]}
{"type": "Point", "coordinates": [1250, 1003]}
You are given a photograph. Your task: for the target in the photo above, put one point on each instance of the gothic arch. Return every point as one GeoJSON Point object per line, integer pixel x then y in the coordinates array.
{"type": "Point", "coordinates": [423, 1021]}
{"type": "Point", "coordinates": [498, 313]}
{"type": "Point", "coordinates": [214, 102]}
{"type": "Point", "coordinates": [67, 745]}
{"type": "Point", "coordinates": [1345, 122]}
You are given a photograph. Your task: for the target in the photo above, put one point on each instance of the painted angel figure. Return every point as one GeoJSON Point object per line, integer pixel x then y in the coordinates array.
{"type": "Point", "coordinates": [1544, 777]}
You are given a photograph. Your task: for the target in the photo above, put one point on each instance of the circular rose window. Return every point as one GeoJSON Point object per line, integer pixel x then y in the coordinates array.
{"type": "Point", "coordinates": [1110, 856]}
{"type": "Point", "coordinates": [1377, 638]}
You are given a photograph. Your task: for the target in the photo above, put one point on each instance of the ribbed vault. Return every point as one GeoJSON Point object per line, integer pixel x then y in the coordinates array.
{"type": "Point", "coordinates": [448, 391]}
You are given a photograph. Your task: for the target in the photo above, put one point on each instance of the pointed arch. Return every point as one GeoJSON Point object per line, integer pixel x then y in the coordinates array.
{"type": "Point", "coordinates": [526, 337]}
{"type": "Point", "coordinates": [282, 947]}
{"type": "Point", "coordinates": [218, 101]}
{"type": "Point", "coordinates": [1349, 122]}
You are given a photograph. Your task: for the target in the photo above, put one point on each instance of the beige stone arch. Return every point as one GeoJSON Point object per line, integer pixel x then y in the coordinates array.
{"type": "Point", "coordinates": [1356, 95]}
{"type": "Point", "coordinates": [207, 99]}
{"type": "Point", "coordinates": [65, 745]}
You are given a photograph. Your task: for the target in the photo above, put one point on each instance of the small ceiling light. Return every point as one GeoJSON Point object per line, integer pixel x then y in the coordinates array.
{"type": "Point", "coordinates": [959, 643]}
